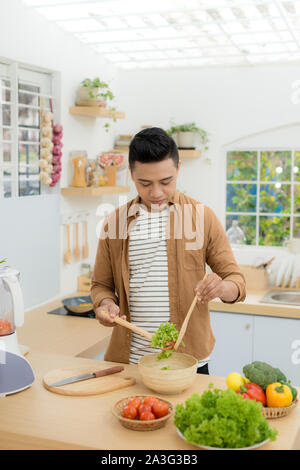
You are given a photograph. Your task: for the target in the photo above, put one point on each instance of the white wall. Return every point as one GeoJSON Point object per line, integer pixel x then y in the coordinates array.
{"type": "Point", "coordinates": [27, 37]}
{"type": "Point", "coordinates": [230, 103]}
{"type": "Point", "coordinates": [242, 106]}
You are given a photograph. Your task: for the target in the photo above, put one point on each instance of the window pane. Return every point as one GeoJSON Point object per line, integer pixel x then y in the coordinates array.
{"type": "Point", "coordinates": [27, 170]}
{"type": "Point", "coordinates": [7, 182]}
{"type": "Point", "coordinates": [297, 199]}
{"type": "Point", "coordinates": [241, 166]}
{"type": "Point", "coordinates": [275, 166]}
{"type": "Point", "coordinates": [6, 134]}
{"type": "Point", "coordinates": [4, 82]}
{"type": "Point", "coordinates": [29, 153]}
{"type": "Point", "coordinates": [7, 188]}
{"type": "Point", "coordinates": [33, 135]}
{"type": "Point", "coordinates": [28, 87]}
{"type": "Point", "coordinates": [6, 152]}
{"type": "Point", "coordinates": [273, 231]}
{"type": "Point", "coordinates": [296, 227]}
{"type": "Point", "coordinates": [6, 114]}
{"type": "Point", "coordinates": [6, 95]}
{"type": "Point", "coordinates": [241, 198]}
{"type": "Point", "coordinates": [275, 198]}
{"type": "Point", "coordinates": [29, 117]}
{"type": "Point", "coordinates": [297, 167]}
{"type": "Point", "coordinates": [29, 186]}
{"type": "Point", "coordinates": [27, 98]}
{"type": "Point", "coordinates": [247, 224]}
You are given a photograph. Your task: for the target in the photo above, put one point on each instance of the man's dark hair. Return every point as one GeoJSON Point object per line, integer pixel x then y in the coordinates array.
{"type": "Point", "coordinates": [152, 145]}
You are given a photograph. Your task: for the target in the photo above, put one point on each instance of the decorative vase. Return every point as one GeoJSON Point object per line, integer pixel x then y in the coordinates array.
{"type": "Point", "coordinates": [84, 99]}
{"type": "Point", "coordinates": [186, 140]}
{"type": "Point", "coordinates": [111, 175]}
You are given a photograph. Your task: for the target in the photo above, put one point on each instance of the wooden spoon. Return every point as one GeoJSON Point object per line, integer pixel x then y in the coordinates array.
{"type": "Point", "coordinates": [77, 249]}
{"type": "Point", "coordinates": [186, 320]}
{"type": "Point", "coordinates": [68, 254]}
{"type": "Point", "coordinates": [132, 327]}
{"type": "Point", "coordinates": [85, 249]}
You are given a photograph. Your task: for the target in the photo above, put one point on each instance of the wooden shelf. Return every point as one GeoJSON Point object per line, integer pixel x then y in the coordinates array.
{"type": "Point", "coordinates": [93, 191]}
{"type": "Point", "coordinates": [95, 111]}
{"type": "Point", "coordinates": [190, 153]}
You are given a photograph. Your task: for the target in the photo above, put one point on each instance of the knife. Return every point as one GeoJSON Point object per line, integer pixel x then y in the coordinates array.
{"type": "Point", "coordinates": [79, 378]}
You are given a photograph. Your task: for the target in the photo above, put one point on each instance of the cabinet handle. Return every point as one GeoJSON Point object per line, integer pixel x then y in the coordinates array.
{"type": "Point", "coordinates": [248, 326]}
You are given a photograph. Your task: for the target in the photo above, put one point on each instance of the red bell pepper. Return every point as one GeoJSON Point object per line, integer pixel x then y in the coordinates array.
{"type": "Point", "coordinates": [253, 391]}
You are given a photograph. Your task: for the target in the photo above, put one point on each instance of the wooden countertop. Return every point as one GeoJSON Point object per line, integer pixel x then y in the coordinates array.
{"type": "Point", "coordinates": [39, 419]}
{"type": "Point", "coordinates": [62, 334]}
{"type": "Point", "coordinates": [252, 305]}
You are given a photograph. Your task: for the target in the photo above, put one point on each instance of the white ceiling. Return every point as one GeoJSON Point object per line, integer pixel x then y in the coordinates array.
{"type": "Point", "coordinates": [181, 33]}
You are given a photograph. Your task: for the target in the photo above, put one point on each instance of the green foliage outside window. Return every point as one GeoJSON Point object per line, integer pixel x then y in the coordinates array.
{"type": "Point", "coordinates": [262, 184]}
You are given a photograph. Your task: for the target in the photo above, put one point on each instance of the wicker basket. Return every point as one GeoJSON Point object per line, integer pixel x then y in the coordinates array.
{"type": "Point", "coordinates": [271, 413]}
{"type": "Point", "coordinates": [136, 424]}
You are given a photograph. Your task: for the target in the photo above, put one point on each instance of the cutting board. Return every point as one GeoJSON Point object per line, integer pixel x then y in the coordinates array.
{"type": "Point", "coordinates": [95, 386]}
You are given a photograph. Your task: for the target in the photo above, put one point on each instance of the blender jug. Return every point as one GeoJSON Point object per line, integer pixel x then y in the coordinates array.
{"type": "Point", "coordinates": [11, 309]}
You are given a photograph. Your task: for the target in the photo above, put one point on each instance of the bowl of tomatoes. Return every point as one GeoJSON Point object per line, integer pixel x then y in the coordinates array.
{"type": "Point", "coordinates": [143, 412]}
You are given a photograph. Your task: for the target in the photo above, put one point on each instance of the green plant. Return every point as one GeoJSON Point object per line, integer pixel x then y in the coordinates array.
{"type": "Point", "coordinates": [98, 84]}
{"type": "Point", "coordinates": [189, 127]}
{"type": "Point", "coordinates": [223, 419]}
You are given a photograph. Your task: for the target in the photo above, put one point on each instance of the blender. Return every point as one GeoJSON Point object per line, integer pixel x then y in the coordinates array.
{"type": "Point", "coordinates": [15, 371]}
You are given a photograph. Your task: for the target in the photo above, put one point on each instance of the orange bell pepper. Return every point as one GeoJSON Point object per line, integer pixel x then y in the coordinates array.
{"type": "Point", "coordinates": [278, 395]}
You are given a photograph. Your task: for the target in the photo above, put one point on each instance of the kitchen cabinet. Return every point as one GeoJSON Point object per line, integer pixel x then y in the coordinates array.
{"type": "Point", "coordinates": [241, 339]}
{"type": "Point", "coordinates": [277, 341]}
{"type": "Point", "coordinates": [234, 337]}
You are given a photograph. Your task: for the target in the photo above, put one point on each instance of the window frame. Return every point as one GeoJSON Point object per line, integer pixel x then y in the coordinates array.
{"type": "Point", "coordinates": [19, 73]}
{"type": "Point", "coordinates": [258, 182]}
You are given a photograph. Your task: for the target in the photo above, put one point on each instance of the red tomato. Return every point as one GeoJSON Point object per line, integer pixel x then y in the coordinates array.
{"type": "Point", "coordinates": [144, 408]}
{"type": "Point", "coordinates": [160, 409]}
{"type": "Point", "coordinates": [129, 412]}
{"type": "Point", "coordinates": [135, 401]}
{"type": "Point", "coordinates": [146, 416]}
{"type": "Point", "coordinates": [150, 400]}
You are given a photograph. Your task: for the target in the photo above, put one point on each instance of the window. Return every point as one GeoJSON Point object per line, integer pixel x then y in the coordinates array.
{"type": "Point", "coordinates": [263, 194]}
{"type": "Point", "coordinates": [21, 90]}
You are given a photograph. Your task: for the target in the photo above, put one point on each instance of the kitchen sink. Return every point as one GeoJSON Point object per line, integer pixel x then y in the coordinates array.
{"type": "Point", "coordinates": [291, 297]}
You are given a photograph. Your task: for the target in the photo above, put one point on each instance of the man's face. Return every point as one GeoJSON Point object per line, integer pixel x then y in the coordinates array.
{"type": "Point", "coordinates": [155, 182]}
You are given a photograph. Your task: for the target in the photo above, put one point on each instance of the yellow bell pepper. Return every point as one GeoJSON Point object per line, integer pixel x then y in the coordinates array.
{"type": "Point", "coordinates": [278, 395]}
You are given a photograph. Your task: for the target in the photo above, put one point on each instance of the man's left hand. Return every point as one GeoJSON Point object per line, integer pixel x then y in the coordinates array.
{"type": "Point", "coordinates": [209, 288]}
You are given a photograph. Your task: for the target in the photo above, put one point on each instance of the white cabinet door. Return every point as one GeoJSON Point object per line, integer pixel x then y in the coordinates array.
{"type": "Point", "coordinates": [234, 338]}
{"type": "Point", "coordinates": [277, 341]}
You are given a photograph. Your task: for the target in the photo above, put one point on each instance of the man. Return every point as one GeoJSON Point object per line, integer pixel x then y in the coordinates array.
{"type": "Point", "coordinates": [152, 254]}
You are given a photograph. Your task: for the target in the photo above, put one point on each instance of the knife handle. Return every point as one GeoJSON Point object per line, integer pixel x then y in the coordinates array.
{"type": "Point", "coordinates": [111, 370]}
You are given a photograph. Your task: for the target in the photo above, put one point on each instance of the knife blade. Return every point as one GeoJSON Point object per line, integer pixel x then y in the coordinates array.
{"type": "Point", "coordinates": [92, 375]}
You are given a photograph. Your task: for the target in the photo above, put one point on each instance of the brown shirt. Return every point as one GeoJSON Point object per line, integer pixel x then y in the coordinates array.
{"type": "Point", "coordinates": [194, 237]}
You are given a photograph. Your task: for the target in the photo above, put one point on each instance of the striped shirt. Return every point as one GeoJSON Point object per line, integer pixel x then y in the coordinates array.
{"type": "Point", "coordinates": [148, 279]}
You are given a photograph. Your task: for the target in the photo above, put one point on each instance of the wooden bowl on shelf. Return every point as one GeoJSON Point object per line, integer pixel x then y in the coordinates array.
{"type": "Point", "coordinates": [180, 372]}
{"type": "Point", "coordinates": [136, 424]}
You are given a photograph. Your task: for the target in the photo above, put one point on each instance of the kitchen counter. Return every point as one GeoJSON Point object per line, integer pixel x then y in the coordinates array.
{"type": "Point", "coordinates": [39, 419]}
{"type": "Point", "coordinates": [252, 305]}
{"type": "Point", "coordinates": [62, 334]}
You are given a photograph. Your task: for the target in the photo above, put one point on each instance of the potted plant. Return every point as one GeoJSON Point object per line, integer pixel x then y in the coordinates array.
{"type": "Point", "coordinates": [93, 92]}
{"type": "Point", "coordinates": [186, 135]}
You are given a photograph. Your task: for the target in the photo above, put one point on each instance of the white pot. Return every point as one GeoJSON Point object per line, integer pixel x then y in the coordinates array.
{"type": "Point", "coordinates": [186, 139]}
{"type": "Point", "coordinates": [84, 97]}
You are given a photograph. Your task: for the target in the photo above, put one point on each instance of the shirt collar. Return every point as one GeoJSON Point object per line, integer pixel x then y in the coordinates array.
{"type": "Point", "coordinates": [133, 209]}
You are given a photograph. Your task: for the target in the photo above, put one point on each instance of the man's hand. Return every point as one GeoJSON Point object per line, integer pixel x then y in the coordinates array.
{"type": "Point", "coordinates": [106, 312]}
{"type": "Point", "coordinates": [213, 286]}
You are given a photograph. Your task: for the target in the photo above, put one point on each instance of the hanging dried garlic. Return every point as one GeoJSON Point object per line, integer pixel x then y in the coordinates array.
{"type": "Point", "coordinates": [46, 146]}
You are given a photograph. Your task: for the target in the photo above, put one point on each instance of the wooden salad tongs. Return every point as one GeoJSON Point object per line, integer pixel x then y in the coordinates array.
{"type": "Point", "coordinates": [186, 321]}
{"type": "Point", "coordinates": [134, 328]}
